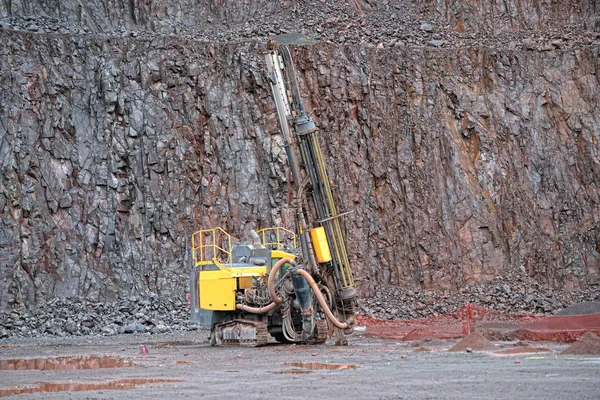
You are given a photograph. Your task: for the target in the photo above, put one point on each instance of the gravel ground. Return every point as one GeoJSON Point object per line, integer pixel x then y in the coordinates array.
{"type": "Point", "coordinates": [367, 368]}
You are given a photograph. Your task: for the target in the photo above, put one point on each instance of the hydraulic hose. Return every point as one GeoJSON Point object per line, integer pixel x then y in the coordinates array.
{"type": "Point", "coordinates": [278, 300]}
{"type": "Point", "coordinates": [256, 310]}
{"type": "Point", "coordinates": [321, 299]}
{"type": "Point", "coordinates": [271, 282]}
{"type": "Point", "coordinates": [271, 285]}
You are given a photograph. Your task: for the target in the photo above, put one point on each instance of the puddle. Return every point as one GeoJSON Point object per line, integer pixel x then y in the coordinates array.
{"type": "Point", "coordinates": [48, 387]}
{"type": "Point", "coordinates": [66, 363]}
{"type": "Point", "coordinates": [294, 372]}
{"type": "Point", "coordinates": [312, 366]}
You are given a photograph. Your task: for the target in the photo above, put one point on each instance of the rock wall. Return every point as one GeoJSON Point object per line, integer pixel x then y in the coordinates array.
{"type": "Point", "coordinates": [158, 16]}
{"type": "Point", "coordinates": [465, 163]}
{"type": "Point", "coordinates": [459, 164]}
{"type": "Point", "coordinates": [506, 15]}
{"type": "Point", "coordinates": [114, 151]}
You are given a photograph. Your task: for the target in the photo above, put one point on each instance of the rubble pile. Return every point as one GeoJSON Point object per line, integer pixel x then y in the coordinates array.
{"type": "Point", "coordinates": [147, 313]}
{"type": "Point", "coordinates": [153, 314]}
{"type": "Point", "coordinates": [504, 294]}
{"type": "Point", "coordinates": [382, 24]}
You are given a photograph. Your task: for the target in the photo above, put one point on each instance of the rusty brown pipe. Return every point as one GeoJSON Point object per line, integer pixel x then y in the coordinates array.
{"type": "Point", "coordinates": [271, 282]}
{"type": "Point", "coordinates": [321, 299]}
{"type": "Point", "coordinates": [256, 310]}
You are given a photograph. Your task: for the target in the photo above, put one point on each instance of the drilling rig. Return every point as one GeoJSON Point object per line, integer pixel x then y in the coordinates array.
{"type": "Point", "coordinates": [293, 285]}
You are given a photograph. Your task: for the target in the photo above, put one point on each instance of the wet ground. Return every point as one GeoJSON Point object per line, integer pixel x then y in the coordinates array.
{"type": "Point", "coordinates": [186, 366]}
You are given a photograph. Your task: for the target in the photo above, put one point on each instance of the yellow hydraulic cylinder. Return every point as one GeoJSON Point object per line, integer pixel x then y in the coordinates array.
{"type": "Point", "coordinates": [320, 244]}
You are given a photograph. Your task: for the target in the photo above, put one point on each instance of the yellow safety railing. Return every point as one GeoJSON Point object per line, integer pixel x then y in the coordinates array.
{"type": "Point", "coordinates": [281, 236]}
{"type": "Point", "coordinates": [206, 249]}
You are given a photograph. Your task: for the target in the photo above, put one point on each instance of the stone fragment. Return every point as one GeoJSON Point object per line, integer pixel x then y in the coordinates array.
{"type": "Point", "coordinates": [133, 328]}
{"type": "Point", "coordinates": [110, 330]}
{"type": "Point", "coordinates": [193, 69]}
{"type": "Point", "coordinates": [70, 326]}
{"type": "Point", "coordinates": [159, 329]}
{"type": "Point", "coordinates": [66, 201]}
{"type": "Point", "coordinates": [426, 27]}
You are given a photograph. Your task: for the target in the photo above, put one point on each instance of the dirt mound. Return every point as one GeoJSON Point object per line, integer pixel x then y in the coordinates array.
{"type": "Point", "coordinates": [586, 307]}
{"type": "Point", "coordinates": [588, 343]}
{"type": "Point", "coordinates": [475, 342]}
{"type": "Point", "coordinates": [422, 350]}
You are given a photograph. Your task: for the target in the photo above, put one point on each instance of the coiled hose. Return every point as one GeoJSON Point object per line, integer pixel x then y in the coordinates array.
{"type": "Point", "coordinates": [271, 285]}
{"type": "Point", "coordinates": [313, 285]}
{"type": "Point", "coordinates": [278, 300]}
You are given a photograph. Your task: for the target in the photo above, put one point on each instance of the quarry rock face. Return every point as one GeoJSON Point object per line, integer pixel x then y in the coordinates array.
{"type": "Point", "coordinates": [460, 163]}
{"type": "Point", "coordinates": [486, 15]}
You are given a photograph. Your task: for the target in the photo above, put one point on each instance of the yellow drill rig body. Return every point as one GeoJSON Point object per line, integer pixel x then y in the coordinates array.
{"type": "Point", "coordinates": [293, 291]}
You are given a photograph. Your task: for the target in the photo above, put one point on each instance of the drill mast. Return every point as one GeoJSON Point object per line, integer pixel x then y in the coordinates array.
{"type": "Point", "coordinates": [316, 210]}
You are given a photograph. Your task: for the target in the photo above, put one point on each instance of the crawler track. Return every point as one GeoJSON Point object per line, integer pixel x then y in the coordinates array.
{"type": "Point", "coordinates": [242, 332]}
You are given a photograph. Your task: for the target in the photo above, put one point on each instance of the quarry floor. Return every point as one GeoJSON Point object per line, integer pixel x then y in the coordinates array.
{"type": "Point", "coordinates": [369, 368]}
